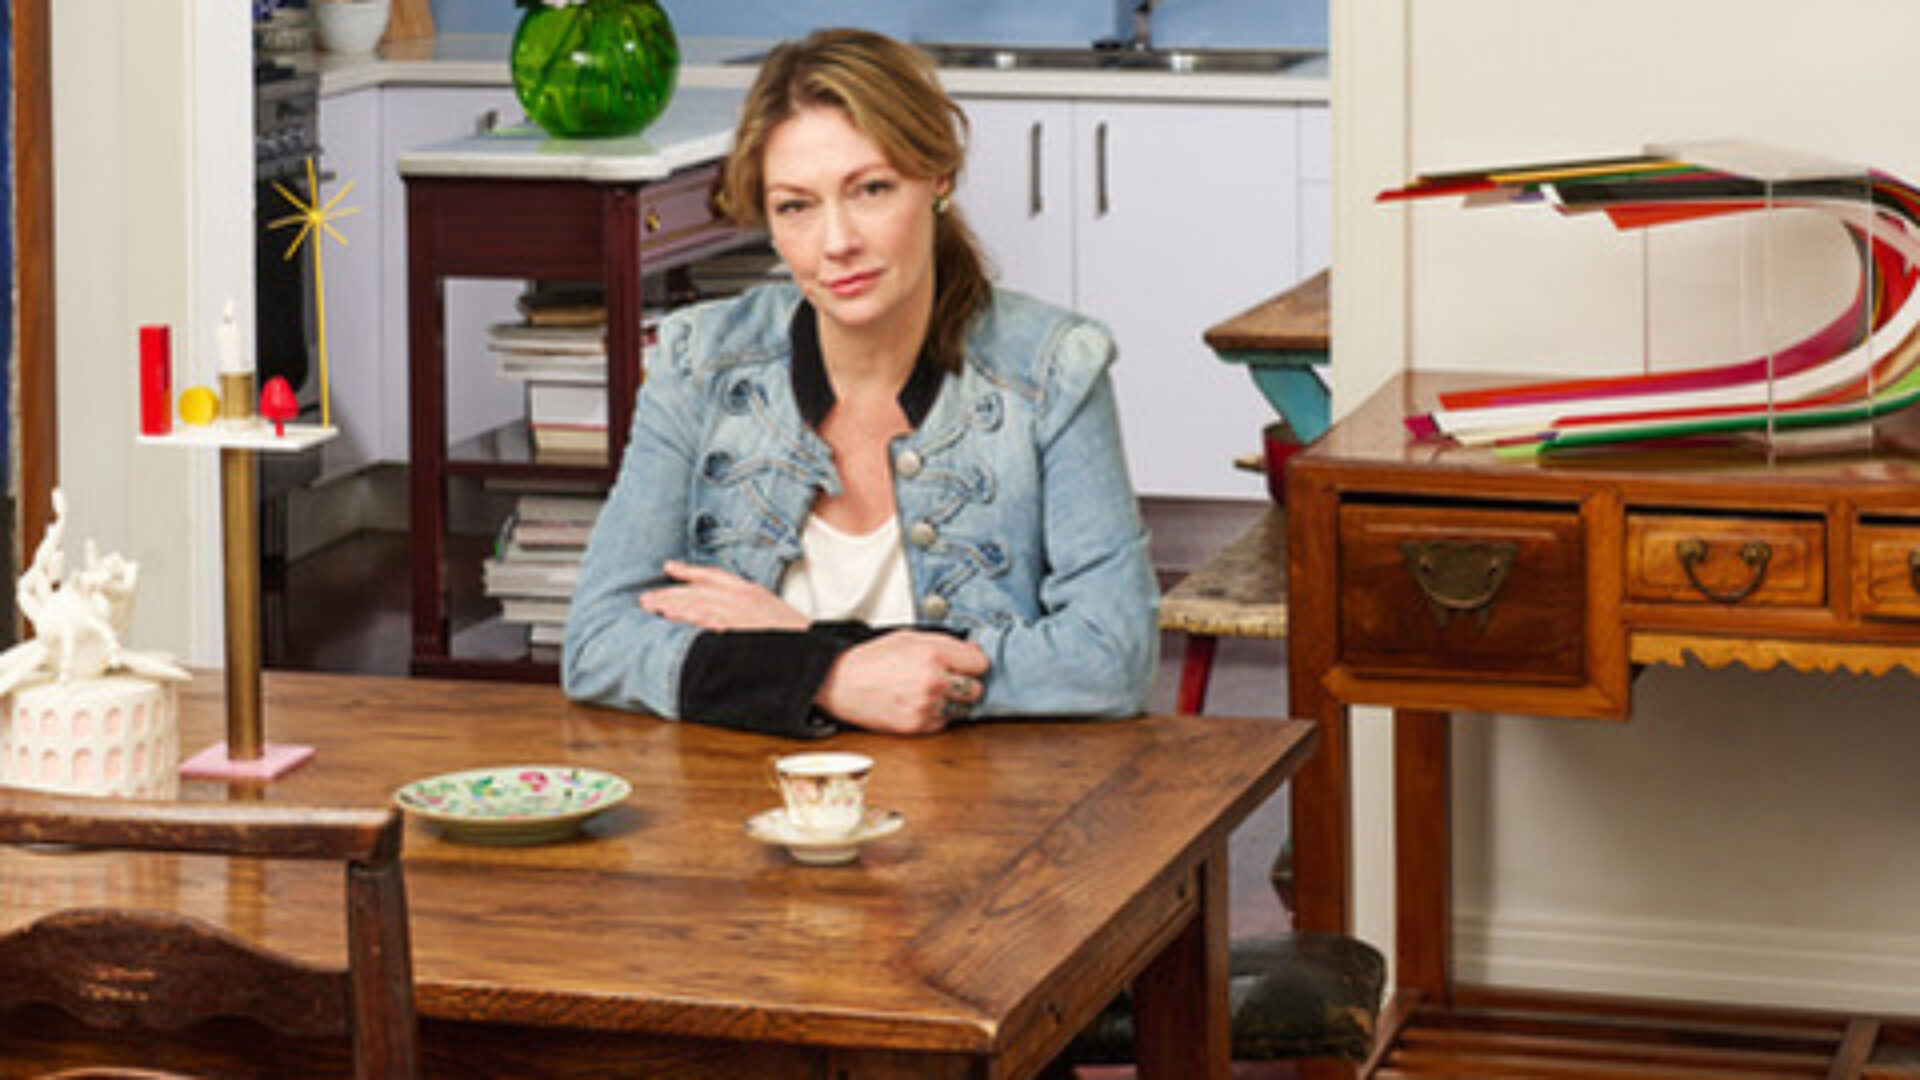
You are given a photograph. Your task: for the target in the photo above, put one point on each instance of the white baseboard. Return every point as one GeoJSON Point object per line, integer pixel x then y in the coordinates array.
{"type": "Point", "coordinates": [1693, 961]}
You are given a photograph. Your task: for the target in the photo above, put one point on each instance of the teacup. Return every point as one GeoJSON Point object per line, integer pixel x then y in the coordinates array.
{"type": "Point", "coordinates": [826, 793]}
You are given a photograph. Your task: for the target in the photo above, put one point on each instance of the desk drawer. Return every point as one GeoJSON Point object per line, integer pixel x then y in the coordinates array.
{"type": "Point", "coordinates": [1886, 570]}
{"type": "Point", "coordinates": [1463, 593]}
{"type": "Point", "coordinates": [1726, 561]}
{"type": "Point", "coordinates": [680, 212]}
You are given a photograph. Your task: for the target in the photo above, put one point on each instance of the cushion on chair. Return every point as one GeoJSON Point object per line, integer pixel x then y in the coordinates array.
{"type": "Point", "coordinates": [1299, 995]}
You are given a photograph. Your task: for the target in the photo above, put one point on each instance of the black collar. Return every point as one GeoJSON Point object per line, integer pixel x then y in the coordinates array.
{"type": "Point", "coordinates": [814, 394]}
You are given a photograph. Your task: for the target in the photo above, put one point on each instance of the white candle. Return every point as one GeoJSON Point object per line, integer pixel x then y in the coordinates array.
{"type": "Point", "coordinates": [233, 360]}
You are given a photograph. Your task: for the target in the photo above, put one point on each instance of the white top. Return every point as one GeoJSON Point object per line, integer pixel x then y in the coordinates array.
{"type": "Point", "coordinates": [696, 127]}
{"type": "Point", "coordinates": [841, 576]}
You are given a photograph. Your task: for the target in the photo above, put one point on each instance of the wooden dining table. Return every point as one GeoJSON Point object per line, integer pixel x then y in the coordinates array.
{"type": "Point", "coordinates": [1044, 867]}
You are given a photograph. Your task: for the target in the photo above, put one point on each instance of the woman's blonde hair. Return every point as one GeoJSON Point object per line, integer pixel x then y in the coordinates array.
{"type": "Point", "coordinates": [889, 91]}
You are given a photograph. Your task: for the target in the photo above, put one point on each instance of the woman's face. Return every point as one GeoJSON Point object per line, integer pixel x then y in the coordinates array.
{"type": "Point", "coordinates": [857, 234]}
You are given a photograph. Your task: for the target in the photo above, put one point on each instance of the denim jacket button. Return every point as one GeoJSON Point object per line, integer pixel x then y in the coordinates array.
{"type": "Point", "coordinates": [907, 464]}
{"type": "Point", "coordinates": [987, 411]}
{"type": "Point", "coordinates": [935, 606]}
{"type": "Point", "coordinates": [715, 467]}
{"type": "Point", "coordinates": [994, 557]}
{"type": "Point", "coordinates": [922, 534]}
{"type": "Point", "coordinates": [739, 397]}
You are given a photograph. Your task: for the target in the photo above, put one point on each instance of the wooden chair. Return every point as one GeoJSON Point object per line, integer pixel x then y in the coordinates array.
{"type": "Point", "coordinates": [151, 976]}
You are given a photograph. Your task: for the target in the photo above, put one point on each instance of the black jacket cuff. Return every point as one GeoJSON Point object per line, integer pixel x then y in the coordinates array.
{"type": "Point", "coordinates": [760, 680]}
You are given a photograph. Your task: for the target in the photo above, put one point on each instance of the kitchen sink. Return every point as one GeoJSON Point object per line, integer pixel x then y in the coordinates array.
{"type": "Point", "coordinates": [1097, 58]}
{"type": "Point", "coordinates": [1105, 58]}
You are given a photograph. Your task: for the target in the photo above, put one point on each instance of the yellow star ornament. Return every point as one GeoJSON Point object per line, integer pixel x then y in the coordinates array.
{"type": "Point", "coordinates": [314, 217]}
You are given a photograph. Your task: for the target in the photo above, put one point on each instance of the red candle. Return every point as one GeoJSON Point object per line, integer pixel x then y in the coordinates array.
{"type": "Point", "coordinates": [156, 380]}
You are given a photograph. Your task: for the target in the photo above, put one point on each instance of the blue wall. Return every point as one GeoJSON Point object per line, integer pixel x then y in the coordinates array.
{"type": "Point", "coordinates": [1262, 23]}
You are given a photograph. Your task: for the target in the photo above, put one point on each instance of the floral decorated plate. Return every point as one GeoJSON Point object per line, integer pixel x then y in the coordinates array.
{"type": "Point", "coordinates": [513, 804]}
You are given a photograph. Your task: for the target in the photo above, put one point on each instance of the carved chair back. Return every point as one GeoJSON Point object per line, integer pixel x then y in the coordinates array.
{"type": "Point", "coordinates": [156, 973]}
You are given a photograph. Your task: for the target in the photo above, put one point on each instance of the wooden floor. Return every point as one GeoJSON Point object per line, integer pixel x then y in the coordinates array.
{"type": "Point", "coordinates": [1503, 1035]}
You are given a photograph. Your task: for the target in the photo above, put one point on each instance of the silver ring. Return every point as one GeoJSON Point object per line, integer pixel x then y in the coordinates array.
{"type": "Point", "coordinates": [961, 687]}
{"type": "Point", "coordinates": [952, 709]}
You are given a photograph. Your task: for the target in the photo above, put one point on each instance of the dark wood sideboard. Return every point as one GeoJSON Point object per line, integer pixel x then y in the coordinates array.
{"type": "Point", "coordinates": [1431, 578]}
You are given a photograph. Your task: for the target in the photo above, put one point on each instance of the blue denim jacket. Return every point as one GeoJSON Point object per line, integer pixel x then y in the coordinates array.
{"type": "Point", "coordinates": [1022, 531]}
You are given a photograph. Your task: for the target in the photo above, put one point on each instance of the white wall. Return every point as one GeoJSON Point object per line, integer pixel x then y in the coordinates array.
{"type": "Point", "coordinates": [1747, 836]}
{"type": "Point", "coordinates": [153, 224]}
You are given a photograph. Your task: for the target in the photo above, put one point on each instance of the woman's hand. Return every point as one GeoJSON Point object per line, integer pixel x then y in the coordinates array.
{"type": "Point", "coordinates": [909, 682]}
{"type": "Point", "coordinates": [715, 599]}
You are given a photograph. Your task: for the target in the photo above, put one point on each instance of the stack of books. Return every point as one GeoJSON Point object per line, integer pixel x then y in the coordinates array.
{"type": "Point", "coordinates": [559, 349]}
{"type": "Point", "coordinates": [734, 272]}
{"type": "Point", "coordinates": [536, 562]}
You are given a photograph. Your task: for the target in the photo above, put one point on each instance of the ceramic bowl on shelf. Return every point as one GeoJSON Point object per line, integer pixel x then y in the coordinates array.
{"type": "Point", "coordinates": [350, 26]}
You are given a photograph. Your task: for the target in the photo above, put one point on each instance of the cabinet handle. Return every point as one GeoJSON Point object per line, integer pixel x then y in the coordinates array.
{"type": "Point", "coordinates": [1101, 203]}
{"type": "Point", "coordinates": [1755, 553]}
{"type": "Point", "coordinates": [1460, 577]}
{"type": "Point", "coordinates": [1036, 200]}
{"type": "Point", "coordinates": [1913, 568]}
{"type": "Point", "coordinates": [487, 122]}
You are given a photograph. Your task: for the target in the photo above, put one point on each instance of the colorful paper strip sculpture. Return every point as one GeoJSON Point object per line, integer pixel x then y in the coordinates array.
{"type": "Point", "coordinates": [1864, 363]}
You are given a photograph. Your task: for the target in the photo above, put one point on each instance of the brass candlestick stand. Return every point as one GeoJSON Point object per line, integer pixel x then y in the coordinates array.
{"type": "Point", "coordinates": [240, 436]}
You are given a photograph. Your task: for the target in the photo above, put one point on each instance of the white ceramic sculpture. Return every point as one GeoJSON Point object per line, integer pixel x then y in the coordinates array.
{"type": "Point", "coordinates": [85, 715]}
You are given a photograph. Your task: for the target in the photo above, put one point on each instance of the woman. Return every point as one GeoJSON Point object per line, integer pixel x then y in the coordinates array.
{"type": "Point", "coordinates": [887, 495]}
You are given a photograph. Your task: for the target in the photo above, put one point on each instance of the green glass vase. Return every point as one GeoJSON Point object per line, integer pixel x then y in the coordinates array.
{"type": "Point", "coordinates": [595, 68]}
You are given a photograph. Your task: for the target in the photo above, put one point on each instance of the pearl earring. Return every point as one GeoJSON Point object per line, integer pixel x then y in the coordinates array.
{"type": "Point", "coordinates": [940, 204]}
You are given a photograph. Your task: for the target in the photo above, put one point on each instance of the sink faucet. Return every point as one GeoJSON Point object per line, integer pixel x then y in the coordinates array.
{"type": "Point", "coordinates": [1142, 36]}
{"type": "Point", "coordinates": [1141, 27]}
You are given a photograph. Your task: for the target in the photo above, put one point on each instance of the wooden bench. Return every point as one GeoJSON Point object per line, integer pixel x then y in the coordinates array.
{"type": "Point", "coordinates": [1240, 592]}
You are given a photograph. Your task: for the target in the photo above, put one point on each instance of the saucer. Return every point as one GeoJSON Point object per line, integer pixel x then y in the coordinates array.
{"type": "Point", "coordinates": [772, 827]}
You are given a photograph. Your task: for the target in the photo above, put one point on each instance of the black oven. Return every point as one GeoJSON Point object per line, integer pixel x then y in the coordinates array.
{"type": "Point", "coordinates": [286, 133]}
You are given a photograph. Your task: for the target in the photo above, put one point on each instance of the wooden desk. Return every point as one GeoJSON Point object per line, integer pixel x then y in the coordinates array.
{"type": "Point", "coordinates": [524, 206]}
{"type": "Point", "coordinates": [1593, 581]}
{"type": "Point", "coordinates": [1042, 867]}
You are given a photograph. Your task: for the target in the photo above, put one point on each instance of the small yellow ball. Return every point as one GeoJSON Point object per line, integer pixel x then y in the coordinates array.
{"type": "Point", "coordinates": [198, 406]}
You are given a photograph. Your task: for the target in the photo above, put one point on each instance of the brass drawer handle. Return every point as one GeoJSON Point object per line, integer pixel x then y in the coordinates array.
{"type": "Point", "coordinates": [1460, 577]}
{"type": "Point", "coordinates": [1755, 553]}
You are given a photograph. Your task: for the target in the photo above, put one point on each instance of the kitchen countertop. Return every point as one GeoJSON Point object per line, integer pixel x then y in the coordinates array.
{"type": "Point", "coordinates": [481, 60]}
{"type": "Point", "coordinates": [697, 127]}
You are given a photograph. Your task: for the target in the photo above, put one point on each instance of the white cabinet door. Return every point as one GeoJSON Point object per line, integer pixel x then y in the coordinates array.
{"type": "Point", "coordinates": [1187, 215]}
{"type": "Point", "coordinates": [1017, 192]}
{"type": "Point", "coordinates": [1316, 189]}
{"type": "Point", "coordinates": [350, 150]}
{"type": "Point", "coordinates": [476, 400]}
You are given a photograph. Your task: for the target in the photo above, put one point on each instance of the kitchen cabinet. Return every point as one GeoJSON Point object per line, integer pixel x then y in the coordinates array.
{"type": "Point", "coordinates": [1017, 192]}
{"type": "Point", "coordinates": [350, 147]}
{"type": "Point", "coordinates": [418, 116]}
{"type": "Point", "coordinates": [363, 133]}
{"type": "Point", "coordinates": [1156, 218]}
